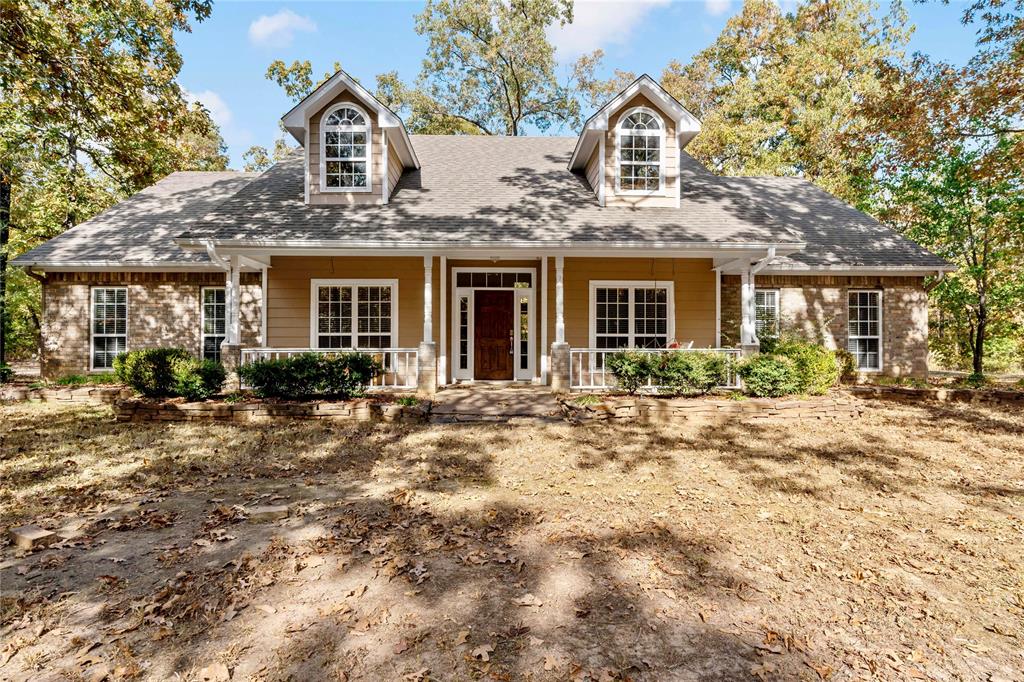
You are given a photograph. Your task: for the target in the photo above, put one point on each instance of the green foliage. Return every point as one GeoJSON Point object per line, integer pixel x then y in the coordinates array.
{"type": "Point", "coordinates": [344, 375]}
{"type": "Point", "coordinates": [769, 376]}
{"type": "Point", "coordinates": [632, 368]}
{"type": "Point", "coordinates": [197, 379]}
{"type": "Point", "coordinates": [973, 381]}
{"type": "Point", "coordinates": [587, 399]}
{"type": "Point", "coordinates": [677, 373]}
{"type": "Point", "coordinates": [689, 373]}
{"type": "Point", "coordinates": [91, 112]}
{"type": "Point", "coordinates": [817, 368]}
{"type": "Point", "coordinates": [166, 372]}
{"type": "Point", "coordinates": [408, 400]}
{"type": "Point", "coordinates": [847, 365]}
{"type": "Point", "coordinates": [6, 373]}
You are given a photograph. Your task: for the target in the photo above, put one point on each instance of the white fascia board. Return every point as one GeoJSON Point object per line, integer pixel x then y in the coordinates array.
{"type": "Point", "coordinates": [877, 271]}
{"type": "Point", "coordinates": [117, 266]}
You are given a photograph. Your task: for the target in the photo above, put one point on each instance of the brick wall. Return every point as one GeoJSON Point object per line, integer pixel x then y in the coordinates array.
{"type": "Point", "coordinates": [164, 309]}
{"type": "Point", "coordinates": [814, 307]}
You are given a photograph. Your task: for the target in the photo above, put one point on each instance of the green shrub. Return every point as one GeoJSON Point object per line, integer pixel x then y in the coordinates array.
{"type": "Point", "coordinates": [632, 368]}
{"type": "Point", "coordinates": [149, 371]}
{"type": "Point", "coordinates": [690, 373]}
{"type": "Point", "coordinates": [817, 369]}
{"type": "Point", "coordinates": [769, 376]}
{"type": "Point", "coordinates": [408, 401]}
{"type": "Point", "coordinates": [197, 379]}
{"type": "Point", "coordinates": [166, 372]}
{"type": "Point", "coordinates": [847, 365]}
{"type": "Point", "coordinates": [343, 375]}
{"type": "Point", "coordinates": [6, 373]}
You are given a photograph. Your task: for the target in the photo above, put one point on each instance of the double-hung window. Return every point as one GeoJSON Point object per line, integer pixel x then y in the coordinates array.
{"type": "Point", "coordinates": [214, 322]}
{"type": "Point", "coordinates": [640, 137]}
{"type": "Point", "coordinates": [359, 315]}
{"type": "Point", "coordinates": [630, 315]}
{"type": "Point", "coordinates": [109, 325]}
{"type": "Point", "coordinates": [766, 312]}
{"type": "Point", "coordinates": [345, 143]}
{"type": "Point", "coordinates": [864, 331]}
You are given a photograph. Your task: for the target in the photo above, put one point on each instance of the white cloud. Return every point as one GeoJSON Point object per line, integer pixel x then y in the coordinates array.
{"type": "Point", "coordinates": [278, 30]}
{"type": "Point", "coordinates": [597, 23]}
{"type": "Point", "coordinates": [717, 7]}
{"type": "Point", "coordinates": [219, 110]}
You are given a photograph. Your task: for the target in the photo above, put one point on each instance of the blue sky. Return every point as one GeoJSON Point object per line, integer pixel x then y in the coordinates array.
{"type": "Point", "coordinates": [226, 56]}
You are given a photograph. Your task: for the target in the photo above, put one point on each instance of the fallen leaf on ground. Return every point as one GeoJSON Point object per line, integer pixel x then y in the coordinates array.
{"type": "Point", "coordinates": [483, 652]}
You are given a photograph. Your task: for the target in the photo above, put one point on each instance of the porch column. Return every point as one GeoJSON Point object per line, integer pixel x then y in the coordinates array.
{"type": "Point", "coordinates": [748, 311]}
{"type": "Point", "coordinates": [231, 348]}
{"type": "Point", "coordinates": [559, 349]}
{"type": "Point", "coordinates": [426, 374]}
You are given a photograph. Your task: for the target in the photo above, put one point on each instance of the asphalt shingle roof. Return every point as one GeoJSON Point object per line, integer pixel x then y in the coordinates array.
{"type": "Point", "coordinates": [493, 190]}
{"type": "Point", "coordinates": [142, 228]}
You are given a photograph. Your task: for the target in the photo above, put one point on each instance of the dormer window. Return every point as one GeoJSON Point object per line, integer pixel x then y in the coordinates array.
{"type": "Point", "coordinates": [640, 153]}
{"type": "Point", "coordinates": [345, 140]}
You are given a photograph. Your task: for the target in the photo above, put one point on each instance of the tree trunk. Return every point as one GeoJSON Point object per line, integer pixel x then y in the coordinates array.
{"type": "Point", "coordinates": [979, 339]}
{"type": "Point", "coordinates": [5, 236]}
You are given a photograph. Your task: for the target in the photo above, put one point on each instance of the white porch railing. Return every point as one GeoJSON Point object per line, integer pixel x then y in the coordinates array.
{"type": "Point", "coordinates": [400, 364]}
{"type": "Point", "coordinates": [588, 367]}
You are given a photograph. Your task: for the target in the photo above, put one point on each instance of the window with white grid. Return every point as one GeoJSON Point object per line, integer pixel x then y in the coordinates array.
{"type": "Point", "coordinates": [352, 315]}
{"type": "Point", "coordinates": [345, 139]}
{"type": "Point", "coordinates": [109, 325]}
{"type": "Point", "coordinates": [640, 149]}
{"type": "Point", "coordinates": [766, 312]}
{"type": "Point", "coordinates": [214, 322]}
{"type": "Point", "coordinates": [864, 329]}
{"type": "Point", "coordinates": [630, 316]}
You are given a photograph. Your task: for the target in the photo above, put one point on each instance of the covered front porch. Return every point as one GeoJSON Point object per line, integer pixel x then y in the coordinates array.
{"type": "Point", "coordinates": [458, 318]}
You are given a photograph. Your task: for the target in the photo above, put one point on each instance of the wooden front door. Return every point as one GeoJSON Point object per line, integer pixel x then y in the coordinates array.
{"type": "Point", "coordinates": [493, 320]}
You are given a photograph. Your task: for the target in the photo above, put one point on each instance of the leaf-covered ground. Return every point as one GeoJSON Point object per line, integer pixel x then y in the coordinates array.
{"type": "Point", "coordinates": [887, 548]}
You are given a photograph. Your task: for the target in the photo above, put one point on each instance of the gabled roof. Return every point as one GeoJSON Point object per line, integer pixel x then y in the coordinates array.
{"type": "Point", "coordinates": [297, 119]}
{"type": "Point", "coordinates": [140, 231]}
{"type": "Point", "coordinates": [687, 125]}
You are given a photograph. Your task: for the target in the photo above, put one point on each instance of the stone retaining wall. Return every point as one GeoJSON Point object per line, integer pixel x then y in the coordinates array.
{"type": "Point", "coordinates": [135, 410]}
{"type": "Point", "coordinates": [97, 395]}
{"type": "Point", "coordinates": [941, 395]}
{"type": "Point", "coordinates": [686, 409]}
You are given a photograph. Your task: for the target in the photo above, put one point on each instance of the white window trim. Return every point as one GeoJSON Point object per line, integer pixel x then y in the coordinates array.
{"type": "Point", "coordinates": [202, 318]}
{"type": "Point", "coordinates": [661, 191]}
{"type": "Point", "coordinates": [92, 325]}
{"type": "Point", "coordinates": [323, 150]}
{"type": "Point", "coordinates": [881, 329]}
{"type": "Point", "coordinates": [669, 285]}
{"type": "Point", "coordinates": [528, 374]}
{"type": "Point", "coordinates": [778, 307]}
{"type": "Point", "coordinates": [314, 286]}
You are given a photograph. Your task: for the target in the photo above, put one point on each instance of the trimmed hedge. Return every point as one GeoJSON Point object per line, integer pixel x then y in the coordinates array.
{"type": "Point", "coordinates": [169, 372]}
{"type": "Point", "coordinates": [769, 376]}
{"type": "Point", "coordinates": [817, 368]}
{"type": "Point", "coordinates": [342, 375]}
{"type": "Point", "coordinates": [675, 373]}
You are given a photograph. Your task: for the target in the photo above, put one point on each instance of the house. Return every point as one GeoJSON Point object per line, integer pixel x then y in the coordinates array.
{"type": "Point", "coordinates": [461, 258]}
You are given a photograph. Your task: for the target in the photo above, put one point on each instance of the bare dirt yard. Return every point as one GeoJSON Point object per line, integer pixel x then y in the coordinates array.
{"type": "Point", "coordinates": [886, 548]}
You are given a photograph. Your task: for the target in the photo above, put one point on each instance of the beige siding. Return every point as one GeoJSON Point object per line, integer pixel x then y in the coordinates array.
{"type": "Point", "coordinates": [288, 294]}
{"type": "Point", "coordinates": [394, 169]}
{"type": "Point", "coordinates": [693, 289]}
{"type": "Point", "coordinates": [670, 161]}
{"type": "Point", "coordinates": [815, 308]}
{"type": "Point", "coordinates": [593, 170]}
{"type": "Point", "coordinates": [316, 196]}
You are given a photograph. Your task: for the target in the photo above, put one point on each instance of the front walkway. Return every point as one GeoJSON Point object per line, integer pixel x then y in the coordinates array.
{"type": "Point", "coordinates": [483, 402]}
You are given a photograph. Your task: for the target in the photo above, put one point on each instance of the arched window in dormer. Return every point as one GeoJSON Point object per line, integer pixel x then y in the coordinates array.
{"type": "Point", "coordinates": [641, 143]}
{"type": "Point", "coordinates": [345, 140]}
